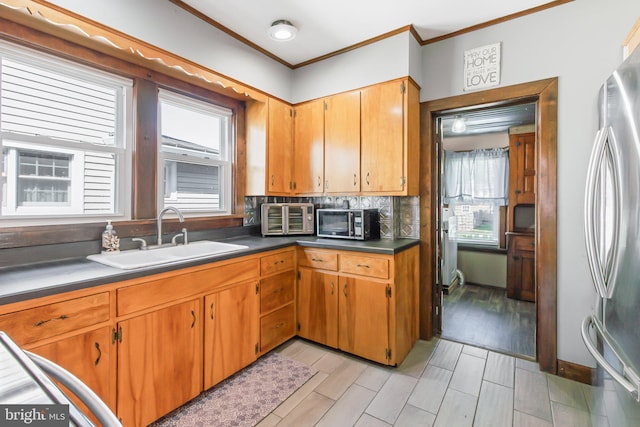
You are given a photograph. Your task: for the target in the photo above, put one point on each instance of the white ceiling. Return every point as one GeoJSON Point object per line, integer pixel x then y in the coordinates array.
{"type": "Point", "coordinates": [327, 26]}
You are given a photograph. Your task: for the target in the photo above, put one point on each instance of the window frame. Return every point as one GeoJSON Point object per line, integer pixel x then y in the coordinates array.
{"type": "Point", "coordinates": [148, 76]}
{"type": "Point", "coordinates": [498, 219]}
{"type": "Point", "coordinates": [226, 160]}
{"type": "Point", "coordinates": [121, 150]}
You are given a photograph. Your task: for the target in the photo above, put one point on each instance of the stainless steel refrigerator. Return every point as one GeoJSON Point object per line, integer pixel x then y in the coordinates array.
{"type": "Point", "coordinates": [612, 228]}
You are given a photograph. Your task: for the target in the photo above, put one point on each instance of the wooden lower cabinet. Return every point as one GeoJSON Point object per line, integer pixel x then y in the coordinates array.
{"type": "Point", "coordinates": [363, 309]}
{"type": "Point", "coordinates": [159, 362]}
{"type": "Point", "coordinates": [230, 331]}
{"type": "Point", "coordinates": [521, 267]}
{"type": "Point", "coordinates": [88, 357]}
{"type": "Point", "coordinates": [318, 306]}
{"type": "Point", "coordinates": [363, 304]}
{"type": "Point", "coordinates": [277, 298]}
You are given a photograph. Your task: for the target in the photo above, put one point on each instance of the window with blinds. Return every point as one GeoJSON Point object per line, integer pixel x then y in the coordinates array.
{"type": "Point", "coordinates": [195, 155]}
{"type": "Point", "coordinates": [64, 137]}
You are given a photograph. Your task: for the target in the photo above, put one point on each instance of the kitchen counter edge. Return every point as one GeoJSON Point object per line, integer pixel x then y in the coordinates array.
{"type": "Point", "coordinates": [45, 279]}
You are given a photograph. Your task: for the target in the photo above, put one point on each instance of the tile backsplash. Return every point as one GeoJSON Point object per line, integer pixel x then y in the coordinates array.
{"type": "Point", "coordinates": [399, 216]}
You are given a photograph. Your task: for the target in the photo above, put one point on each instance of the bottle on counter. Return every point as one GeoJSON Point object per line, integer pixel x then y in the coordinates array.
{"type": "Point", "coordinates": [110, 240]}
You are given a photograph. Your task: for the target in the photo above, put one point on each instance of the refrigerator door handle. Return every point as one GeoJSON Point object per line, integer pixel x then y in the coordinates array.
{"type": "Point", "coordinates": [603, 267]}
{"type": "Point", "coordinates": [595, 164]}
{"type": "Point", "coordinates": [611, 159]}
{"type": "Point", "coordinates": [629, 379]}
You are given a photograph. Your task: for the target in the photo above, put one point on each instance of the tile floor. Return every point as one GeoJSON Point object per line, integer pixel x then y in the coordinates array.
{"type": "Point", "coordinates": [443, 383]}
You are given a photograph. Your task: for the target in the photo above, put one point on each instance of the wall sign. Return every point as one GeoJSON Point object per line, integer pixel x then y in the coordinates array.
{"type": "Point", "coordinates": [482, 67]}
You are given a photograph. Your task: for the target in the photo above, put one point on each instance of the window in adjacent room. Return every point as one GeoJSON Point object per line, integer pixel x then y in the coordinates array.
{"type": "Point", "coordinates": [196, 155]}
{"type": "Point", "coordinates": [65, 132]}
{"type": "Point", "coordinates": [475, 186]}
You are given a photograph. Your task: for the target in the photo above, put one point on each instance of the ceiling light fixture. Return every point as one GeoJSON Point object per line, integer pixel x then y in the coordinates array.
{"type": "Point", "coordinates": [458, 125]}
{"type": "Point", "coordinates": [282, 30]}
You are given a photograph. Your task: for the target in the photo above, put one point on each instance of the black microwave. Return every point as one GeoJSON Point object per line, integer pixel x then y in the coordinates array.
{"type": "Point", "coordinates": [355, 224]}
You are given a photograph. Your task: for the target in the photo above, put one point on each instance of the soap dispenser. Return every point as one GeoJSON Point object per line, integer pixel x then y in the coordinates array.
{"type": "Point", "coordinates": [110, 240]}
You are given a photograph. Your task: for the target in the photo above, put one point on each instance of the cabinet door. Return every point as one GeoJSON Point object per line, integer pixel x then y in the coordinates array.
{"type": "Point", "coordinates": [318, 306]}
{"type": "Point", "coordinates": [522, 169]}
{"type": "Point", "coordinates": [342, 143]}
{"type": "Point", "coordinates": [383, 146]}
{"type": "Point", "coordinates": [159, 362]}
{"type": "Point", "coordinates": [308, 141]}
{"type": "Point", "coordinates": [521, 267]}
{"type": "Point", "coordinates": [230, 331]}
{"type": "Point", "coordinates": [364, 318]}
{"type": "Point", "coordinates": [279, 148]}
{"type": "Point", "coordinates": [88, 357]}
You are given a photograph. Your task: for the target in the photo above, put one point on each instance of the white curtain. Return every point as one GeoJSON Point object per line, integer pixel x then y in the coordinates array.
{"type": "Point", "coordinates": [478, 176]}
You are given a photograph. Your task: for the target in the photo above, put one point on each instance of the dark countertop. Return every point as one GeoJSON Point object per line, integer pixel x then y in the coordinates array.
{"type": "Point", "coordinates": [50, 278]}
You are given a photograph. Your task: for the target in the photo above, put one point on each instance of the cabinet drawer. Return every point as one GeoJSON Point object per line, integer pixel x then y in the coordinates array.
{"type": "Point", "coordinates": [275, 263]}
{"type": "Point", "coordinates": [524, 243]}
{"type": "Point", "coordinates": [324, 260]}
{"type": "Point", "coordinates": [276, 291]}
{"type": "Point", "coordinates": [277, 327]}
{"type": "Point", "coordinates": [161, 291]}
{"type": "Point", "coordinates": [365, 266]}
{"type": "Point", "coordinates": [38, 323]}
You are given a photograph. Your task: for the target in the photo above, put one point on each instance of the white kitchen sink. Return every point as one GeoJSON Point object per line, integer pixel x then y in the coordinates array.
{"type": "Point", "coordinates": [136, 258]}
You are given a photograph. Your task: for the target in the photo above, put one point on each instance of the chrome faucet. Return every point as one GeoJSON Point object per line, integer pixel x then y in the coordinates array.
{"type": "Point", "coordinates": [161, 214]}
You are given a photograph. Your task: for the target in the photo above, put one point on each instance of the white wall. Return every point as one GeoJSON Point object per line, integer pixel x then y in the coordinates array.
{"type": "Point", "coordinates": [483, 268]}
{"type": "Point", "coordinates": [165, 25]}
{"type": "Point", "coordinates": [374, 63]}
{"type": "Point", "coordinates": [580, 43]}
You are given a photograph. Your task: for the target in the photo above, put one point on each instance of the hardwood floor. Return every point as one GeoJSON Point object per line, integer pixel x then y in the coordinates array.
{"type": "Point", "coordinates": [443, 383]}
{"type": "Point", "coordinates": [483, 316]}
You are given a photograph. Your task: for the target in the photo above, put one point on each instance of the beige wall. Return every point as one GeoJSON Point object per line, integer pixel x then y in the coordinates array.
{"type": "Point", "coordinates": [483, 268]}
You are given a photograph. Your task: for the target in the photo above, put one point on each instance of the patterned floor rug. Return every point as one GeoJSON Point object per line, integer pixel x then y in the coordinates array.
{"type": "Point", "coordinates": [244, 398]}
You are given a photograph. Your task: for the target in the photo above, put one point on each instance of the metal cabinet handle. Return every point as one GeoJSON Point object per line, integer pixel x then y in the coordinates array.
{"type": "Point", "coordinates": [317, 259]}
{"type": "Point", "coordinates": [42, 322]}
{"type": "Point", "coordinates": [333, 285]}
{"type": "Point", "coordinates": [344, 290]}
{"type": "Point", "coordinates": [99, 354]}
{"type": "Point", "coordinates": [354, 179]}
{"type": "Point", "coordinates": [367, 178]}
{"type": "Point", "coordinates": [193, 314]}
{"type": "Point", "coordinates": [279, 325]}
{"type": "Point", "coordinates": [272, 179]}
{"type": "Point", "coordinates": [211, 310]}
{"type": "Point", "coordinates": [363, 265]}
{"type": "Point", "coordinates": [319, 181]}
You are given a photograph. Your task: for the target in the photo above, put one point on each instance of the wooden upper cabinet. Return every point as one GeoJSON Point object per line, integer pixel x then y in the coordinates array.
{"type": "Point", "coordinates": [279, 148]}
{"type": "Point", "coordinates": [522, 169]}
{"type": "Point", "coordinates": [342, 143]}
{"type": "Point", "coordinates": [269, 148]}
{"type": "Point", "coordinates": [308, 148]}
{"type": "Point", "coordinates": [390, 138]}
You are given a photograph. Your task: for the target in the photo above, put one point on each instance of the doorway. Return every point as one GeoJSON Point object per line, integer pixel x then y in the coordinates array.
{"type": "Point", "coordinates": [486, 211]}
{"type": "Point", "coordinates": [544, 93]}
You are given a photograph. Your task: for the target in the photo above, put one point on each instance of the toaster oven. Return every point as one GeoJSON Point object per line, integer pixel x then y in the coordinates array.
{"type": "Point", "coordinates": [281, 219]}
